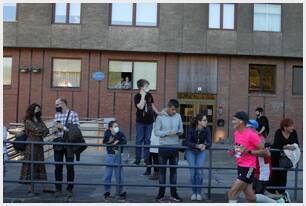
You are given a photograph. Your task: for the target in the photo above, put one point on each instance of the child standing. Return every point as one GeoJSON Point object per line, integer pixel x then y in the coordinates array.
{"type": "Point", "coordinates": [112, 137]}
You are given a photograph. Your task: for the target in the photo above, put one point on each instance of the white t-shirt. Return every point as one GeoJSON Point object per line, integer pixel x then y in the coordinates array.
{"type": "Point", "coordinates": [154, 141]}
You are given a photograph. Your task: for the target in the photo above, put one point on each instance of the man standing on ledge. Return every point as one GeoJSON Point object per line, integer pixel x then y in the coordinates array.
{"type": "Point", "coordinates": [145, 116]}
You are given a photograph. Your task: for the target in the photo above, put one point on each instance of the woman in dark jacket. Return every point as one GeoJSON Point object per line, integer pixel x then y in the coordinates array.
{"type": "Point", "coordinates": [198, 140]}
{"type": "Point", "coordinates": [112, 137]}
{"type": "Point", "coordinates": [36, 130]}
{"type": "Point", "coordinates": [284, 137]}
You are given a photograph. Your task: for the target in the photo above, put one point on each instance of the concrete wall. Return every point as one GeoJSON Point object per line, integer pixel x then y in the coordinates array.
{"type": "Point", "coordinates": [183, 29]}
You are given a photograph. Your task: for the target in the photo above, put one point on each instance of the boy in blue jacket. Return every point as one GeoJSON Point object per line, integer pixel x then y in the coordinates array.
{"type": "Point", "coordinates": [112, 137]}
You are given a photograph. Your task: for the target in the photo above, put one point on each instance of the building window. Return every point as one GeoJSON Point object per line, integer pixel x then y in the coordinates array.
{"type": "Point", "coordinates": [69, 13]}
{"type": "Point", "coordinates": [9, 12]}
{"type": "Point", "coordinates": [125, 74]}
{"type": "Point", "coordinates": [132, 14]}
{"type": "Point", "coordinates": [267, 17]}
{"type": "Point", "coordinates": [297, 80]}
{"type": "Point", "coordinates": [222, 16]}
{"type": "Point", "coordinates": [262, 78]}
{"type": "Point", "coordinates": [66, 73]}
{"type": "Point", "coordinates": [7, 70]}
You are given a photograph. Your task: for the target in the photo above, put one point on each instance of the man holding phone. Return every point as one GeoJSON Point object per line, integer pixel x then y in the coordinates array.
{"type": "Point", "coordinates": [169, 127]}
{"type": "Point", "coordinates": [62, 116]}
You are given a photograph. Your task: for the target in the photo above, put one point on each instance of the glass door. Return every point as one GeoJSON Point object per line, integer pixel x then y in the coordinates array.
{"type": "Point", "coordinates": [189, 108]}
{"type": "Point", "coordinates": [187, 112]}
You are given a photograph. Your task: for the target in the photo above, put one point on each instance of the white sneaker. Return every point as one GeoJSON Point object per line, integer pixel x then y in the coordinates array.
{"type": "Point", "coordinates": [199, 197]}
{"type": "Point", "coordinates": [193, 197]}
{"type": "Point", "coordinates": [280, 200]}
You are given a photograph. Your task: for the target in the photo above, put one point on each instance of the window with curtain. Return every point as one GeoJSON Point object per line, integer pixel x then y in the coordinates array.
{"type": "Point", "coordinates": [132, 14]}
{"type": "Point", "coordinates": [69, 13]}
{"type": "Point", "coordinates": [221, 16]}
{"type": "Point", "coordinates": [7, 70]}
{"type": "Point", "coordinates": [262, 78]}
{"type": "Point", "coordinates": [297, 80]}
{"type": "Point", "coordinates": [9, 12]}
{"type": "Point", "coordinates": [267, 17]}
{"type": "Point", "coordinates": [66, 73]}
{"type": "Point", "coordinates": [125, 74]}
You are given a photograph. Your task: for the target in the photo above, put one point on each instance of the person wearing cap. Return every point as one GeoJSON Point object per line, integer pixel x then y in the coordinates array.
{"type": "Point", "coordinates": [263, 171]}
{"type": "Point", "coordinates": [248, 145]}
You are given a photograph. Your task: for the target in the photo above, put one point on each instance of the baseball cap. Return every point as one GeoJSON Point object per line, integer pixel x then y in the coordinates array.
{"type": "Point", "coordinates": [242, 116]}
{"type": "Point", "coordinates": [252, 123]}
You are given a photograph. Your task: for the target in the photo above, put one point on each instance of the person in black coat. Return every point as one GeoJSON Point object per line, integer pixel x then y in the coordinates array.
{"type": "Point", "coordinates": [284, 137]}
{"type": "Point", "coordinates": [198, 140]}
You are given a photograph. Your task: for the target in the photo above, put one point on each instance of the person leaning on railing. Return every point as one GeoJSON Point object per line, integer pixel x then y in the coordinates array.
{"type": "Point", "coordinates": [284, 138]}
{"type": "Point", "coordinates": [35, 130]}
{"type": "Point", "coordinates": [198, 140]}
{"type": "Point", "coordinates": [112, 137]}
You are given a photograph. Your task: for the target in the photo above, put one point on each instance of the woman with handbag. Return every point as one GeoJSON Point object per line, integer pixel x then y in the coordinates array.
{"type": "Point", "coordinates": [35, 129]}
{"type": "Point", "coordinates": [283, 139]}
{"type": "Point", "coordinates": [198, 140]}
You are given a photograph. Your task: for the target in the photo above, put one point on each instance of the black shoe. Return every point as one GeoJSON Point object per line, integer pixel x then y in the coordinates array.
{"type": "Point", "coordinates": [58, 193]}
{"type": "Point", "coordinates": [69, 193]}
{"type": "Point", "coordinates": [123, 196]}
{"type": "Point", "coordinates": [107, 195]}
{"type": "Point", "coordinates": [147, 173]}
{"type": "Point", "coordinates": [176, 198]}
{"type": "Point", "coordinates": [137, 162]}
{"type": "Point", "coordinates": [147, 161]}
{"type": "Point", "coordinates": [160, 198]}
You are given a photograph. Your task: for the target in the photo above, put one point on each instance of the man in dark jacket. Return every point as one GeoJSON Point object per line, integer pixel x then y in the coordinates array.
{"type": "Point", "coordinates": [263, 122]}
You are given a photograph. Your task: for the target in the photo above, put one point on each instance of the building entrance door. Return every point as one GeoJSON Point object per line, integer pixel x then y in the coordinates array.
{"type": "Point", "coordinates": [190, 107]}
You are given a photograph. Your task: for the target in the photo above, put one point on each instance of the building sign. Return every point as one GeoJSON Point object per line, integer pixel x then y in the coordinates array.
{"type": "Point", "coordinates": [98, 76]}
{"type": "Point", "coordinates": [182, 95]}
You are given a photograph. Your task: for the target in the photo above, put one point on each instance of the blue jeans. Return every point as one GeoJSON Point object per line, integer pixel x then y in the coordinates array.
{"type": "Point", "coordinates": [143, 136]}
{"type": "Point", "coordinates": [113, 159]}
{"type": "Point", "coordinates": [196, 159]}
{"type": "Point", "coordinates": [164, 156]}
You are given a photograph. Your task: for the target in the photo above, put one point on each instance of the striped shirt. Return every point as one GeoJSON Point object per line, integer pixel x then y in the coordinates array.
{"type": "Point", "coordinates": [73, 118]}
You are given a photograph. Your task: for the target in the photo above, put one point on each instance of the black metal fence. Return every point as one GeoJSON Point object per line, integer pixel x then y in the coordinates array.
{"type": "Point", "coordinates": [120, 164]}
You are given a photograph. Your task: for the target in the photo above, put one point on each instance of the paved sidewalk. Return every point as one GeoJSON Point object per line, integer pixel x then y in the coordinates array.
{"type": "Point", "coordinates": [14, 192]}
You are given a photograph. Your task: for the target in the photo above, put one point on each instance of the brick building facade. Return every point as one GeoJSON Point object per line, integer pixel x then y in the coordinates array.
{"type": "Point", "coordinates": [206, 69]}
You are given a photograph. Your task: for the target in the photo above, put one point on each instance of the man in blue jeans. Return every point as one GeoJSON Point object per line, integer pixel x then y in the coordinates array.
{"type": "Point", "coordinates": [145, 115]}
{"type": "Point", "coordinates": [168, 127]}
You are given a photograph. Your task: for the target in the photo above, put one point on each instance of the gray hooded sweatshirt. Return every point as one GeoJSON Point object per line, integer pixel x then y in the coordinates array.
{"type": "Point", "coordinates": [166, 124]}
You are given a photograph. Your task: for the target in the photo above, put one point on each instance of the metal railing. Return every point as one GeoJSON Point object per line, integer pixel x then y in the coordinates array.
{"type": "Point", "coordinates": [121, 165]}
{"type": "Point", "coordinates": [12, 154]}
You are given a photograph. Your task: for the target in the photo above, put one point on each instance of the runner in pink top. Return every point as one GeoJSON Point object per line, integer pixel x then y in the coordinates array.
{"type": "Point", "coordinates": [249, 140]}
{"type": "Point", "coordinates": [248, 145]}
